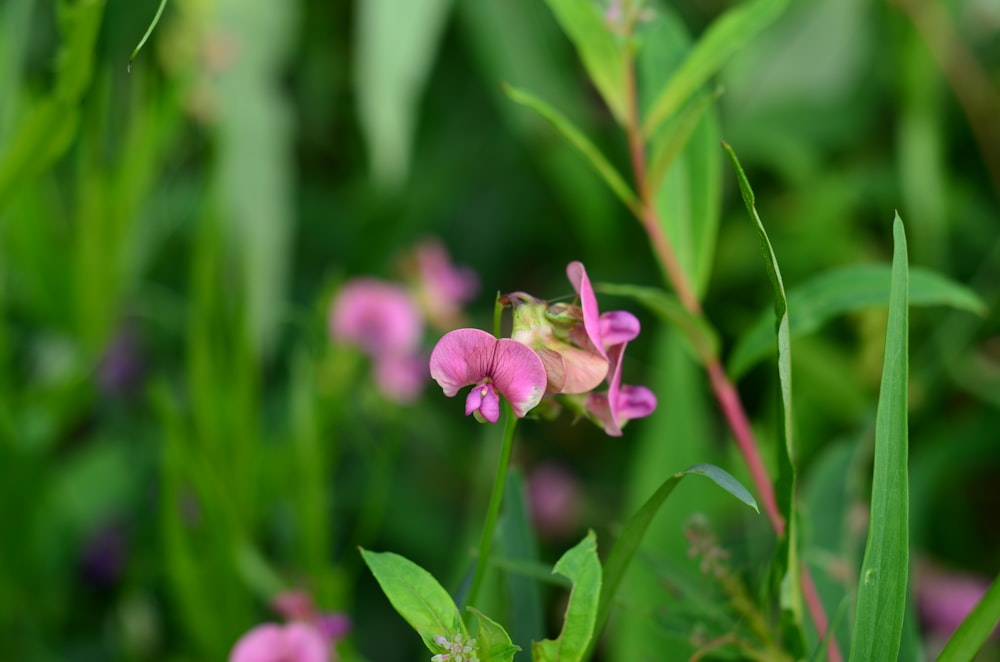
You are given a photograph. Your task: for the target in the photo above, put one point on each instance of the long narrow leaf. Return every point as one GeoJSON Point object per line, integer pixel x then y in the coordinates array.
{"type": "Point", "coordinates": [580, 142]}
{"type": "Point", "coordinates": [786, 568]}
{"type": "Point", "coordinates": [625, 547]}
{"type": "Point", "coordinates": [845, 290]}
{"type": "Point", "coordinates": [966, 641]}
{"type": "Point", "coordinates": [881, 602]}
{"type": "Point", "coordinates": [583, 568]}
{"type": "Point", "coordinates": [719, 43]}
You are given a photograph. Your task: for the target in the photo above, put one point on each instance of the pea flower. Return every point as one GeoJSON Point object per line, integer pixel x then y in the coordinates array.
{"type": "Point", "coordinates": [471, 357]}
{"type": "Point", "coordinates": [441, 287]}
{"type": "Point", "coordinates": [269, 642]}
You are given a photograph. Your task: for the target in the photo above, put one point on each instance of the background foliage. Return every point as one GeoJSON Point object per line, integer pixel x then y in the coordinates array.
{"type": "Point", "coordinates": [178, 437]}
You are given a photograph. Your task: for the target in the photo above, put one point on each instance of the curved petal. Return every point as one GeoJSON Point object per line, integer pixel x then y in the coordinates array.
{"type": "Point", "coordinates": [462, 357]}
{"type": "Point", "coordinates": [304, 643]}
{"type": "Point", "coordinates": [577, 275]}
{"type": "Point", "coordinates": [585, 370]}
{"type": "Point", "coordinates": [617, 327]}
{"type": "Point", "coordinates": [296, 642]}
{"type": "Point", "coordinates": [519, 375]}
{"type": "Point", "coordinates": [635, 402]}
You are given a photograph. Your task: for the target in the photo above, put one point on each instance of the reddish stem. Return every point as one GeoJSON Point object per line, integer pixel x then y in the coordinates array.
{"type": "Point", "coordinates": [815, 607]}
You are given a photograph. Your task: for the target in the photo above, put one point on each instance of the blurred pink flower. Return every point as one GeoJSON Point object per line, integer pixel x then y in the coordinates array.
{"type": "Point", "coordinates": [295, 642]}
{"type": "Point", "coordinates": [297, 605]}
{"type": "Point", "coordinates": [442, 288]}
{"type": "Point", "coordinates": [473, 357]}
{"type": "Point", "coordinates": [554, 497]}
{"type": "Point", "coordinates": [945, 597]}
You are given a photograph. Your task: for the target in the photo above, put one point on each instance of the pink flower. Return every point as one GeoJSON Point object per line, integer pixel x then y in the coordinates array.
{"type": "Point", "coordinates": [295, 642]}
{"type": "Point", "coordinates": [384, 321]}
{"type": "Point", "coordinates": [442, 288]}
{"type": "Point", "coordinates": [467, 357]}
{"type": "Point", "coordinates": [555, 499]}
{"type": "Point", "coordinates": [945, 597]}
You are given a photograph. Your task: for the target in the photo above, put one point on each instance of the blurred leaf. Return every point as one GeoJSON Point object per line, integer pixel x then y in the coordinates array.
{"type": "Point", "coordinates": [672, 138]}
{"type": "Point", "coordinates": [695, 329]}
{"type": "Point", "coordinates": [492, 641]}
{"type": "Point", "coordinates": [583, 568]}
{"type": "Point", "coordinates": [518, 543]}
{"type": "Point", "coordinates": [720, 42]}
{"type": "Point", "coordinates": [844, 290]}
{"type": "Point", "coordinates": [970, 636]}
{"type": "Point", "coordinates": [786, 567]}
{"type": "Point", "coordinates": [602, 52]}
{"type": "Point", "coordinates": [686, 198]}
{"type": "Point", "coordinates": [394, 50]}
{"type": "Point", "coordinates": [628, 542]}
{"type": "Point", "coordinates": [580, 141]}
{"type": "Point", "coordinates": [416, 595]}
{"type": "Point", "coordinates": [882, 583]}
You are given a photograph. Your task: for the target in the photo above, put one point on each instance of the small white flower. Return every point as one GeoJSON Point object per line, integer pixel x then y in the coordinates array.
{"type": "Point", "coordinates": [457, 650]}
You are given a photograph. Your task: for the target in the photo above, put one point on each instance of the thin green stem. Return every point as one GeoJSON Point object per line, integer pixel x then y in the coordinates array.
{"type": "Point", "coordinates": [493, 510]}
{"type": "Point", "coordinates": [145, 37]}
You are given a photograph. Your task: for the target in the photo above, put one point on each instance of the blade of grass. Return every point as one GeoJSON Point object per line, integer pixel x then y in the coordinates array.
{"type": "Point", "coordinates": [576, 138]}
{"type": "Point", "coordinates": [882, 583]}
{"type": "Point", "coordinates": [145, 37]}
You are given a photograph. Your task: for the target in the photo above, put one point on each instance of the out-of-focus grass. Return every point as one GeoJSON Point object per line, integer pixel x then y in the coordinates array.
{"type": "Point", "coordinates": [169, 240]}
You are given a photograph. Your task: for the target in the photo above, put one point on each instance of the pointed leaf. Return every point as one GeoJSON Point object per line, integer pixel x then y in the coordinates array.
{"type": "Point", "coordinates": [519, 545]}
{"type": "Point", "coordinates": [602, 51]}
{"type": "Point", "coordinates": [628, 543]}
{"type": "Point", "coordinates": [786, 567]}
{"type": "Point", "coordinates": [416, 595]}
{"type": "Point", "coordinates": [718, 44]}
{"type": "Point", "coordinates": [675, 135]}
{"type": "Point", "coordinates": [576, 138]}
{"type": "Point", "coordinates": [583, 568]}
{"type": "Point", "coordinates": [881, 602]}
{"type": "Point", "coordinates": [845, 290]}
{"type": "Point", "coordinates": [492, 641]}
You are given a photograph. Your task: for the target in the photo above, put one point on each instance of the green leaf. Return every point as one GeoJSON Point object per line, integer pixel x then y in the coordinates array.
{"type": "Point", "coordinates": [602, 52]}
{"type": "Point", "coordinates": [966, 641]}
{"type": "Point", "coordinates": [845, 290]}
{"type": "Point", "coordinates": [393, 53]}
{"type": "Point", "coordinates": [417, 596]}
{"type": "Point", "coordinates": [786, 567]}
{"type": "Point", "coordinates": [695, 329]}
{"type": "Point", "coordinates": [628, 543]}
{"type": "Point", "coordinates": [576, 138]}
{"type": "Point", "coordinates": [583, 568]}
{"type": "Point", "coordinates": [519, 545]}
{"type": "Point", "coordinates": [881, 602]}
{"type": "Point", "coordinates": [718, 44]}
{"type": "Point", "coordinates": [492, 641]}
{"type": "Point", "coordinates": [672, 138]}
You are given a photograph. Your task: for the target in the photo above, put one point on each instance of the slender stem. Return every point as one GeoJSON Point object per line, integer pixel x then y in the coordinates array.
{"type": "Point", "coordinates": [815, 607]}
{"type": "Point", "coordinates": [493, 510]}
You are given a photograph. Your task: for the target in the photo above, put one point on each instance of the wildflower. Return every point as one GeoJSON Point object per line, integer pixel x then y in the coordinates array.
{"type": "Point", "coordinates": [506, 367]}
{"type": "Point", "coordinates": [457, 650]}
{"type": "Point", "coordinates": [384, 321]}
{"type": "Point", "coordinates": [554, 497]}
{"type": "Point", "coordinates": [441, 287]}
{"type": "Point", "coordinates": [945, 597]}
{"type": "Point", "coordinates": [296, 605]}
{"type": "Point", "coordinates": [295, 642]}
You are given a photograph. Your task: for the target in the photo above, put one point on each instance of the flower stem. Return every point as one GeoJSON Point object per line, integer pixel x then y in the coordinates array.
{"type": "Point", "coordinates": [493, 509]}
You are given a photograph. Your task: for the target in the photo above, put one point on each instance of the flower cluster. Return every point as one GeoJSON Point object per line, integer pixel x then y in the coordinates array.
{"type": "Point", "coordinates": [559, 349]}
{"type": "Point", "coordinates": [386, 319]}
{"type": "Point", "coordinates": [309, 635]}
{"type": "Point", "coordinates": [455, 650]}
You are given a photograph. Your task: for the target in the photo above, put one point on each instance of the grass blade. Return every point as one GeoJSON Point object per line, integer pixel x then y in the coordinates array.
{"type": "Point", "coordinates": [881, 602]}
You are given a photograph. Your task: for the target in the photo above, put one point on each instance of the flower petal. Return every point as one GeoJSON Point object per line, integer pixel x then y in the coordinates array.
{"type": "Point", "coordinates": [379, 317]}
{"type": "Point", "coordinates": [462, 357]}
{"type": "Point", "coordinates": [577, 275]}
{"type": "Point", "coordinates": [618, 327]}
{"type": "Point", "coordinates": [519, 375]}
{"type": "Point", "coordinates": [296, 642]}
{"type": "Point", "coordinates": [401, 378]}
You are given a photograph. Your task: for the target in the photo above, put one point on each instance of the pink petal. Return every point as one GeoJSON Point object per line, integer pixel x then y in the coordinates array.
{"type": "Point", "coordinates": [296, 642]}
{"type": "Point", "coordinates": [584, 370]}
{"type": "Point", "coordinates": [401, 377]}
{"type": "Point", "coordinates": [577, 275]}
{"type": "Point", "coordinates": [618, 327]}
{"type": "Point", "coordinates": [519, 375]}
{"type": "Point", "coordinates": [555, 499]}
{"type": "Point", "coordinates": [377, 316]}
{"type": "Point", "coordinates": [462, 357]}
{"type": "Point", "coordinates": [635, 402]}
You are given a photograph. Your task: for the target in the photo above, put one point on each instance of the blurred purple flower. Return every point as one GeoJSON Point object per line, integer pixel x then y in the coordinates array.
{"type": "Point", "coordinates": [471, 357]}
{"type": "Point", "coordinates": [554, 497]}
{"type": "Point", "coordinates": [295, 642]}
{"type": "Point", "coordinates": [945, 597]}
{"type": "Point", "coordinates": [384, 321]}
{"type": "Point", "coordinates": [442, 288]}
{"type": "Point", "coordinates": [297, 605]}
{"type": "Point", "coordinates": [102, 559]}
{"type": "Point", "coordinates": [120, 367]}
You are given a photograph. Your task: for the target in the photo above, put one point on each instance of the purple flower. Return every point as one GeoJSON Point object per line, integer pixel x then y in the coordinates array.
{"type": "Point", "coordinates": [295, 642]}
{"type": "Point", "coordinates": [945, 597]}
{"type": "Point", "coordinates": [470, 357]}
{"type": "Point", "coordinates": [555, 498]}
{"type": "Point", "coordinates": [384, 321]}
{"type": "Point", "coordinates": [442, 288]}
